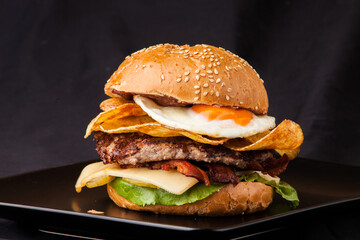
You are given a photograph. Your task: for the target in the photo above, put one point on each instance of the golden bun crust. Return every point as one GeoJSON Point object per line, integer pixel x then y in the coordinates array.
{"type": "Point", "coordinates": [244, 198]}
{"type": "Point", "coordinates": [200, 74]}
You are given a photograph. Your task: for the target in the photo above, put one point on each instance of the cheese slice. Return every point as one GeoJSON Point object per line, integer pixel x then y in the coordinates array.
{"type": "Point", "coordinates": [88, 175]}
{"type": "Point", "coordinates": [96, 174]}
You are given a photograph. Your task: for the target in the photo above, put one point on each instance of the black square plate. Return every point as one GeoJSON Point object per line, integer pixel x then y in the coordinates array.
{"type": "Point", "coordinates": [47, 199]}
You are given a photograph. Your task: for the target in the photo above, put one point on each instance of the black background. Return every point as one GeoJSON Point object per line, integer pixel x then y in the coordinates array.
{"type": "Point", "coordinates": [55, 57]}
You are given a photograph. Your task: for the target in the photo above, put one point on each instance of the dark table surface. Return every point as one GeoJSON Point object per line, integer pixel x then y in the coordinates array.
{"type": "Point", "coordinates": [329, 208]}
{"type": "Point", "coordinates": [340, 224]}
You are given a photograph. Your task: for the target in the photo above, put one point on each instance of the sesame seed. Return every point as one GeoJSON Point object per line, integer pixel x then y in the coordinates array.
{"type": "Point", "coordinates": [205, 85]}
{"type": "Point", "coordinates": [196, 98]}
{"type": "Point", "coordinates": [196, 86]}
{"type": "Point", "coordinates": [210, 65]}
{"type": "Point", "coordinates": [196, 53]}
{"type": "Point", "coordinates": [187, 50]}
{"type": "Point", "coordinates": [209, 71]}
{"type": "Point", "coordinates": [178, 80]}
{"type": "Point", "coordinates": [197, 77]}
{"type": "Point", "coordinates": [227, 68]}
{"type": "Point", "coordinates": [239, 66]}
{"type": "Point", "coordinates": [205, 93]}
{"type": "Point", "coordinates": [197, 70]}
{"type": "Point", "coordinates": [197, 91]}
{"type": "Point", "coordinates": [211, 59]}
{"type": "Point", "coordinates": [162, 77]}
{"type": "Point", "coordinates": [216, 71]}
{"type": "Point", "coordinates": [203, 56]}
{"type": "Point", "coordinates": [217, 94]}
{"type": "Point", "coordinates": [203, 66]}
{"type": "Point", "coordinates": [222, 84]}
{"type": "Point", "coordinates": [218, 80]}
{"type": "Point", "coordinates": [186, 73]}
{"type": "Point", "coordinates": [211, 80]}
{"type": "Point", "coordinates": [202, 74]}
{"type": "Point", "coordinates": [229, 89]}
{"type": "Point", "coordinates": [218, 63]}
{"type": "Point", "coordinates": [186, 79]}
{"type": "Point", "coordinates": [221, 57]}
{"type": "Point", "coordinates": [211, 76]}
{"type": "Point", "coordinates": [227, 97]}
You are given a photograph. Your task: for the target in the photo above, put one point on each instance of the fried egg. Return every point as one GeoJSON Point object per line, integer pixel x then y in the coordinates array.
{"type": "Point", "coordinates": [207, 120]}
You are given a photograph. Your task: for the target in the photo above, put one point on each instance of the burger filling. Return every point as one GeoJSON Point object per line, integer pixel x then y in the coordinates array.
{"type": "Point", "coordinates": [173, 155]}
{"type": "Point", "coordinates": [211, 166]}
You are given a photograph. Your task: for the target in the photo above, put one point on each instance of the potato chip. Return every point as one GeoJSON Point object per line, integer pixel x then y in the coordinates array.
{"type": "Point", "coordinates": [151, 128]}
{"type": "Point", "coordinates": [112, 103]}
{"type": "Point", "coordinates": [155, 129]}
{"type": "Point", "coordinates": [291, 154]}
{"type": "Point", "coordinates": [123, 111]}
{"type": "Point", "coordinates": [286, 136]}
{"type": "Point", "coordinates": [133, 120]}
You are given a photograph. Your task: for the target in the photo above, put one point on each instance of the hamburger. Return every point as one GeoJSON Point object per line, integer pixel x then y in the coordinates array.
{"type": "Point", "coordinates": [186, 131]}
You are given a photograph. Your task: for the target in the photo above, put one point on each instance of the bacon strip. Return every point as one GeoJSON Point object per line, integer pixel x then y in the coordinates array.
{"type": "Point", "coordinates": [274, 168]}
{"type": "Point", "coordinates": [222, 174]}
{"type": "Point", "coordinates": [183, 167]}
{"type": "Point", "coordinates": [218, 172]}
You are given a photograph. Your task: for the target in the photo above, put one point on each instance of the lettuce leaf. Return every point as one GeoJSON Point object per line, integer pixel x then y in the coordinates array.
{"type": "Point", "coordinates": [150, 196]}
{"type": "Point", "coordinates": [143, 196]}
{"type": "Point", "coordinates": [284, 189]}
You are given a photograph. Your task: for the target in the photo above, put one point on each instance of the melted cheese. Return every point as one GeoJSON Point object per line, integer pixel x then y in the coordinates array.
{"type": "Point", "coordinates": [97, 174]}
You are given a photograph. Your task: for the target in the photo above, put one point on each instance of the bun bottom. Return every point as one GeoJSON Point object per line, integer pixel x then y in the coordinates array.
{"type": "Point", "coordinates": [244, 198]}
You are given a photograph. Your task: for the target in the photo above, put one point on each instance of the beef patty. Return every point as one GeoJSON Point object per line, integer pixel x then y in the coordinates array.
{"type": "Point", "coordinates": [137, 148]}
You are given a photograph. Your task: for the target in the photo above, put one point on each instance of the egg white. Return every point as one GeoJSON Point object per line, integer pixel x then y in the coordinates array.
{"type": "Point", "coordinates": [185, 118]}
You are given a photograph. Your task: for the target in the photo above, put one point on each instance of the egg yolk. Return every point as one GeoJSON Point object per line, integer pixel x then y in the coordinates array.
{"type": "Point", "coordinates": [240, 116]}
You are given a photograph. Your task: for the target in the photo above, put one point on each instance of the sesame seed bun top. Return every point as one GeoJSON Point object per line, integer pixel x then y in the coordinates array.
{"type": "Point", "coordinates": [184, 75]}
